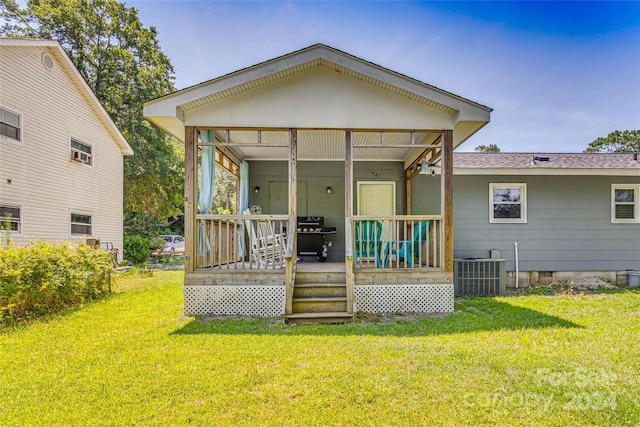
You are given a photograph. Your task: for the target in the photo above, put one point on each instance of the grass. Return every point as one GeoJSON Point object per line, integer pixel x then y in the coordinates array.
{"type": "Point", "coordinates": [133, 359]}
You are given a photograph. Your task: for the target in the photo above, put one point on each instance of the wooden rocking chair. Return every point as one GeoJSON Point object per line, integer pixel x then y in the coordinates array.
{"type": "Point", "coordinates": [267, 246]}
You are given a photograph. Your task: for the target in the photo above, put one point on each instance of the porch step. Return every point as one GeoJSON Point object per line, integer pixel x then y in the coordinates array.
{"type": "Point", "coordinates": [320, 290]}
{"type": "Point", "coordinates": [318, 318]}
{"type": "Point", "coordinates": [305, 278]}
{"type": "Point", "coordinates": [319, 304]}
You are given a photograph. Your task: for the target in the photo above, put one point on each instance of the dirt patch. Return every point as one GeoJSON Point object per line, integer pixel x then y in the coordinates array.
{"type": "Point", "coordinates": [394, 317]}
{"type": "Point", "coordinates": [580, 285]}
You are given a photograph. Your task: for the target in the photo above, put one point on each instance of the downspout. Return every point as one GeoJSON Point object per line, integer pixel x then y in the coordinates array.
{"type": "Point", "coordinates": [515, 249]}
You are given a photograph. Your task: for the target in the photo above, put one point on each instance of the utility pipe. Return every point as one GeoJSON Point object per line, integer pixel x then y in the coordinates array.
{"type": "Point", "coordinates": [515, 249]}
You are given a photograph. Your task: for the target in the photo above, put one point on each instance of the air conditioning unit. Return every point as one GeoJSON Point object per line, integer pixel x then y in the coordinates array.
{"type": "Point", "coordinates": [485, 277]}
{"type": "Point", "coordinates": [79, 156]}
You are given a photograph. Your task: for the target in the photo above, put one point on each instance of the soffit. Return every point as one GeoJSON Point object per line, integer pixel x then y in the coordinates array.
{"type": "Point", "coordinates": [328, 145]}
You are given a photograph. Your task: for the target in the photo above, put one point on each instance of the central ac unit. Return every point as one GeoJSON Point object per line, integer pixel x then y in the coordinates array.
{"type": "Point", "coordinates": [479, 277]}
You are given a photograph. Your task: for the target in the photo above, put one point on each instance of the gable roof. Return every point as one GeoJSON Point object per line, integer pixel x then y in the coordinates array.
{"type": "Point", "coordinates": [54, 48]}
{"type": "Point", "coordinates": [169, 112]}
{"type": "Point", "coordinates": [546, 164]}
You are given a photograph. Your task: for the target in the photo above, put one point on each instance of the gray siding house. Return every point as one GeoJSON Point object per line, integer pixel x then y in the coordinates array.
{"type": "Point", "coordinates": [570, 214]}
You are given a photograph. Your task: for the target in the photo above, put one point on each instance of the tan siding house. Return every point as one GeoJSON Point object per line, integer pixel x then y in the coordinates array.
{"type": "Point", "coordinates": [61, 155]}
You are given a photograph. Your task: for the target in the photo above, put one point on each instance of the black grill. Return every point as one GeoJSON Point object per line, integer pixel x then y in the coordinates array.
{"type": "Point", "coordinates": [312, 237]}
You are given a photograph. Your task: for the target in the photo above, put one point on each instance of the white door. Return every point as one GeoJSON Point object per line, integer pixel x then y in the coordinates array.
{"type": "Point", "coordinates": [377, 198]}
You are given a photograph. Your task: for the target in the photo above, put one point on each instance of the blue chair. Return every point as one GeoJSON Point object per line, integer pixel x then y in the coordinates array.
{"type": "Point", "coordinates": [408, 249]}
{"type": "Point", "coordinates": [369, 240]}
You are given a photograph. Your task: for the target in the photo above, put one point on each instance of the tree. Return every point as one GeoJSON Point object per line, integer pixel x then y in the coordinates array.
{"type": "Point", "coordinates": [491, 148]}
{"type": "Point", "coordinates": [122, 62]}
{"type": "Point", "coordinates": [627, 141]}
{"type": "Point", "coordinates": [224, 192]}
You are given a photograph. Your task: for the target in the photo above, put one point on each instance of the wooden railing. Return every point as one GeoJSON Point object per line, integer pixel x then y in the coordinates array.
{"type": "Point", "coordinates": [401, 241]}
{"type": "Point", "coordinates": [238, 242]}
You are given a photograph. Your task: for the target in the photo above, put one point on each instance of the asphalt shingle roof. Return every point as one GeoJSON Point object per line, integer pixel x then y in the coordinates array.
{"type": "Point", "coordinates": [556, 161]}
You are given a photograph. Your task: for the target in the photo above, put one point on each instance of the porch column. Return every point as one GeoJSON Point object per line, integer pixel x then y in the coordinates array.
{"type": "Point", "coordinates": [446, 190]}
{"type": "Point", "coordinates": [348, 217]}
{"type": "Point", "coordinates": [290, 250]}
{"type": "Point", "coordinates": [190, 195]}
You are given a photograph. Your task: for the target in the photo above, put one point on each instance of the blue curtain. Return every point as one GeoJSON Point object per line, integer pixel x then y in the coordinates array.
{"type": "Point", "coordinates": [244, 186]}
{"type": "Point", "coordinates": [207, 173]}
{"type": "Point", "coordinates": [243, 200]}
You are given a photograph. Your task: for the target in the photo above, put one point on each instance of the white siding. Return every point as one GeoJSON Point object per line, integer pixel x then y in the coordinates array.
{"type": "Point", "coordinates": [44, 180]}
{"type": "Point", "coordinates": [320, 98]}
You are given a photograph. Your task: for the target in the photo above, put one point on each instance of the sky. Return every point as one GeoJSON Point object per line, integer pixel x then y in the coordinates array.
{"type": "Point", "coordinates": [557, 74]}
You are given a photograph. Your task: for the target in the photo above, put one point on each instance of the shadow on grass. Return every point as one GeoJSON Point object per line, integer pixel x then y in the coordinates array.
{"type": "Point", "coordinates": [471, 315]}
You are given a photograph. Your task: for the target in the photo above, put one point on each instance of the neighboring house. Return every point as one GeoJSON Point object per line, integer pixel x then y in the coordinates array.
{"type": "Point", "coordinates": [61, 155]}
{"type": "Point", "coordinates": [317, 133]}
{"type": "Point", "coordinates": [570, 214]}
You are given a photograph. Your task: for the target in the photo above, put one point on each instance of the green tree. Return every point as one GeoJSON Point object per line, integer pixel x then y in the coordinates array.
{"type": "Point", "coordinates": [491, 148]}
{"type": "Point", "coordinates": [224, 192]}
{"type": "Point", "coordinates": [122, 62]}
{"type": "Point", "coordinates": [627, 141]}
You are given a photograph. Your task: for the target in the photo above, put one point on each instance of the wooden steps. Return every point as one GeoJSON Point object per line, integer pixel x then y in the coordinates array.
{"type": "Point", "coordinates": [320, 298]}
{"type": "Point", "coordinates": [318, 318]}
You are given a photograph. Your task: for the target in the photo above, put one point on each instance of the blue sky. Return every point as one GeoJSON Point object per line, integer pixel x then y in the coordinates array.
{"type": "Point", "coordinates": [557, 74]}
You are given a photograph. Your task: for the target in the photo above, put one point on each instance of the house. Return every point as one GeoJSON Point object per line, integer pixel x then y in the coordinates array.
{"type": "Point", "coordinates": [61, 155]}
{"type": "Point", "coordinates": [571, 215]}
{"type": "Point", "coordinates": [317, 133]}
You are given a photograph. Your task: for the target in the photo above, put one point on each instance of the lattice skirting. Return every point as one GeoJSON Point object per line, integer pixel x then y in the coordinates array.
{"type": "Point", "coordinates": [266, 301]}
{"type": "Point", "coordinates": [416, 298]}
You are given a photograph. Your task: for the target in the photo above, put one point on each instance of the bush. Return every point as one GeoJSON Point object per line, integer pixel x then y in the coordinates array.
{"type": "Point", "coordinates": [43, 278]}
{"type": "Point", "coordinates": [137, 249]}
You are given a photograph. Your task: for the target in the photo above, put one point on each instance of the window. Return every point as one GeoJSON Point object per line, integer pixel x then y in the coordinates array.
{"type": "Point", "coordinates": [508, 203]}
{"type": "Point", "coordinates": [9, 124]}
{"type": "Point", "coordinates": [81, 224]}
{"type": "Point", "coordinates": [81, 152]}
{"type": "Point", "coordinates": [625, 203]}
{"type": "Point", "coordinates": [10, 218]}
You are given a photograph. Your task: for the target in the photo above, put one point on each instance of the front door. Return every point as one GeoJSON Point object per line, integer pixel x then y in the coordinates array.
{"type": "Point", "coordinates": [378, 199]}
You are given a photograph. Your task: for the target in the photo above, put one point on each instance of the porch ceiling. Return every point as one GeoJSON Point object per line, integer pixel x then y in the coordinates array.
{"type": "Point", "coordinates": [329, 145]}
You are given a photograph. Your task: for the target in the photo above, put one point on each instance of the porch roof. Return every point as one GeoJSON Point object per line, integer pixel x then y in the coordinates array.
{"type": "Point", "coordinates": [321, 91]}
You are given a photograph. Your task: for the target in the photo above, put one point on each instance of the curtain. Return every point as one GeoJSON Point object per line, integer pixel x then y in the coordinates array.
{"type": "Point", "coordinates": [243, 199]}
{"type": "Point", "coordinates": [207, 173]}
{"type": "Point", "coordinates": [244, 186]}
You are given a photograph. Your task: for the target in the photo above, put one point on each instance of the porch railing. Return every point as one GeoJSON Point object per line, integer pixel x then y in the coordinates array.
{"type": "Point", "coordinates": [240, 242]}
{"type": "Point", "coordinates": [400, 241]}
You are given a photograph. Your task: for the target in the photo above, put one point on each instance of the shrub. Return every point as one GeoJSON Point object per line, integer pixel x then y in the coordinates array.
{"type": "Point", "coordinates": [137, 249]}
{"type": "Point", "coordinates": [43, 278]}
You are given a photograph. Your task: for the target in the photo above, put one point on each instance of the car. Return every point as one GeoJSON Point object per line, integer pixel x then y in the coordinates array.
{"type": "Point", "coordinates": [174, 244]}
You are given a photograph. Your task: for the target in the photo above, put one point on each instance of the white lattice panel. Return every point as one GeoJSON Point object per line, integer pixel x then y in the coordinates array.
{"type": "Point", "coordinates": [416, 298]}
{"type": "Point", "coordinates": [266, 301]}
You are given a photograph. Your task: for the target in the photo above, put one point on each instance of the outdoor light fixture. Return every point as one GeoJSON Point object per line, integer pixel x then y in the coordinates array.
{"type": "Point", "coordinates": [256, 190]}
{"type": "Point", "coordinates": [426, 168]}
{"type": "Point", "coordinates": [329, 190]}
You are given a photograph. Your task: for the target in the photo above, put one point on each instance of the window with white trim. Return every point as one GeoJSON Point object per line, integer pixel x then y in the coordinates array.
{"type": "Point", "coordinates": [10, 218]}
{"type": "Point", "coordinates": [10, 124]}
{"type": "Point", "coordinates": [625, 203]}
{"type": "Point", "coordinates": [81, 224]}
{"type": "Point", "coordinates": [81, 152]}
{"type": "Point", "coordinates": [508, 203]}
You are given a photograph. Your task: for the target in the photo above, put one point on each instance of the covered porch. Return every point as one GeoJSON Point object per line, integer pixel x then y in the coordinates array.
{"type": "Point", "coordinates": [326, 135]}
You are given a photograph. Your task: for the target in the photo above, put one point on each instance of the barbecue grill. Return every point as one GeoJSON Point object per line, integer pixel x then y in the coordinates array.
{"type": "Point", "coordinates": [312, 237]}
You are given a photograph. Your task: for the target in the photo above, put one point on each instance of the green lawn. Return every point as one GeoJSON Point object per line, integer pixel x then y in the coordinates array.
{"type": "Point", "coordinates": [133, 359]}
